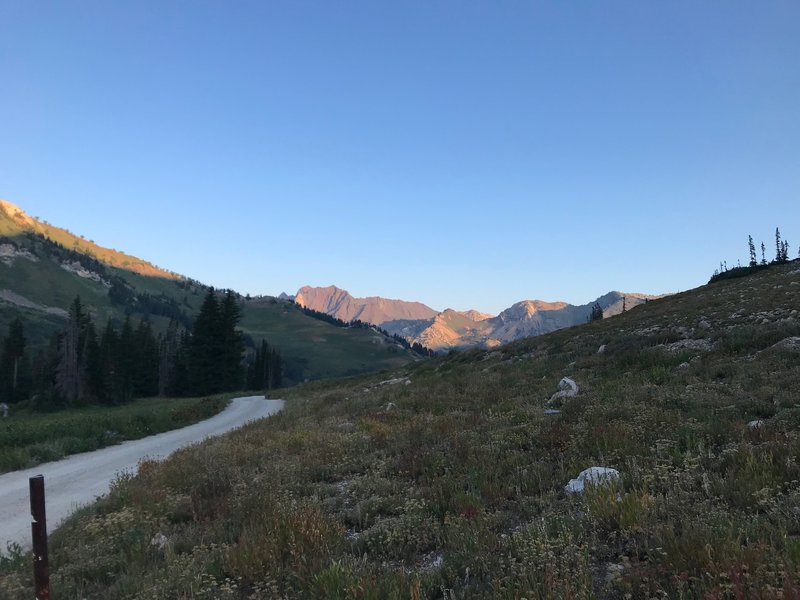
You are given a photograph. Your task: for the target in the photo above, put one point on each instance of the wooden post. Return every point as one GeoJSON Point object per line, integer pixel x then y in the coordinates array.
{"type": "Point", "coordinates": [41, 568]}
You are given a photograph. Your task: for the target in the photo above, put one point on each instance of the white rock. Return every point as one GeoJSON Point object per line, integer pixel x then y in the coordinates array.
{"type": "Point", "coordinates": [601, 349]}
{"type": "Point", "coordinates": [757, 424]}
{"type": "Point", "coordinates": [551, 411]}
{"type": "Point", "coordinates": [159, 541]}
{"type": "Point", "coordinates": [683, 365]}
{"type": "Point", "coordinates": [593, 476]}
{"type": "Point", "coordinates": [567, 388]}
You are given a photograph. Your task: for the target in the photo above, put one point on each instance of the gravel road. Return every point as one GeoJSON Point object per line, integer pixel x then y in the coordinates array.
{"type": "Point", "coordinates": [79, 479]}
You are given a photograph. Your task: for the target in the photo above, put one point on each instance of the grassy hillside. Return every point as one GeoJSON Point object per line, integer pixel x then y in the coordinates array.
{"type": "Point", "coordinates": [336, 351]}
{"type": "Point", "coordinates": [446, 479]}
{"type": "Point", "coordinates": [39, 280]}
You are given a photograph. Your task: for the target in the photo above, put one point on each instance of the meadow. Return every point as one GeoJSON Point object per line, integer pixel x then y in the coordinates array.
{"type": "Point", "coordinates": [445, 479]}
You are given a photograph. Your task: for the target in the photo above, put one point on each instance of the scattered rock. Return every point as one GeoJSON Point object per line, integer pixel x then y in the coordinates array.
{"type": "Point", "coordinates": [601, 349]}
{"type": "Point", "coordinates": [789, 343]}
{"type": "Point", "coordinates": [159, 541]}
{"type": "Point", "coordinates": [551, 411]}
{"type": "Point", "coordinates": [431, 562]}
{"type": "Point", "coordinates": [701, 344]}
{"type": "Point", "coordinates": [614, 572]}
{"type": "Point", "coordinates": [390, 407]}
{"type": "Point", "coordinates": [394, 381]}
{"type": "Point", "coordinates": [592, 476]}
{"type": "Point", "coordinates": [567, 388]}
{"type": "Point", "coordinates": [683, 365]}
{"type": "Point", "coordinates": [757, 424]}
{"type": "Point", "coordinates": [703, 324]}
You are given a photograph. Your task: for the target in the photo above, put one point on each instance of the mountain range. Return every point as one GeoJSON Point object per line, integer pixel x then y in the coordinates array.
{"type": "Point", "coordinates": [450, 328]}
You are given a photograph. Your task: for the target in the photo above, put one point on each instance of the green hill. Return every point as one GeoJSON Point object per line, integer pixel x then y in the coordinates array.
{"type": "Point", "coordinates": [446, 479]}
{"type": "Point", "coordinates": [43, 268]}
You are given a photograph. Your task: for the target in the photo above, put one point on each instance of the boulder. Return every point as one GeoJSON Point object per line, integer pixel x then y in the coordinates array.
{"type": "Point", "coordinates": [567, 388]}
{"type": "Point", "coordinates": [592, 476]}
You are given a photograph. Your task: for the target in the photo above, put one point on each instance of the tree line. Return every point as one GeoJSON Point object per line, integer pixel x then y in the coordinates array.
{"type": "Point", "coordinates": [781, 257]}
{"type": "Point", "coordinates": [117, 364]}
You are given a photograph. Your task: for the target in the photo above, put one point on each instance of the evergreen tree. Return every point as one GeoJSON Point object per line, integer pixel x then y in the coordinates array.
{"type": "Point", "coordinates": [94, 365]}
{"type": "Point", "coordinates": [145, 361]}
{"type": "Point", "coordinates": [13, 366]}
{"type": "Point", "coordinates": [71, 370]}
{"type": "Point", "coordinates": [206, 348]}
{"type": "Point", "coordinates": [597, 312]}
{"type": "Point", "coordinates": [778, 246]}
{"type": "Point", "coordinates": [169, 355]}
{"type": "Point", "coordinates": [763, 254]}
{"type": "Point", "coordinates": [109, 344]}
{"type": "Point", "coordinates": [753, 258]}
{"type": "Point", "coordinates": [232, 343]}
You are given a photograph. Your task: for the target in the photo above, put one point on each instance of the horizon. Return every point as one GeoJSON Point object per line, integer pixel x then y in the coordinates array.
{"type": "Point", "coordinates": [468, 157]}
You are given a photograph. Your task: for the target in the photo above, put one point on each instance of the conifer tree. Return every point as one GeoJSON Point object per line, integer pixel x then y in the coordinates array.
{"type": "Point", "coordinates": [206, 348]}
{"type": "Point", "coordinates": [753, 258]}
{"type": "Point", "coordinates": [71, 370]}
{"type": "Point", "coordinates": [597, 312]}
{"type": "Point", "coordinates": [778, 246]}
{"type": "Point", "coordinates": [763, 254]}
{"type": "Point", "coordinates": [12, 364]}
{"type": "Point", "coordinates": [232, 343]}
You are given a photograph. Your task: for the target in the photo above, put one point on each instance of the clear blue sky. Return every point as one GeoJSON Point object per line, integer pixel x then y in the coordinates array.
{"type": "Point", "coordinates": [464, 154]}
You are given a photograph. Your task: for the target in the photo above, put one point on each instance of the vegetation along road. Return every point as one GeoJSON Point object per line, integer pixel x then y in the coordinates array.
{"type": "Point", "coordinates": [77, 480]}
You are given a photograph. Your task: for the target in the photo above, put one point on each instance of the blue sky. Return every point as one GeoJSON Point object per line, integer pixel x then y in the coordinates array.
{"type": "Point", "coordinates": [464, 154]}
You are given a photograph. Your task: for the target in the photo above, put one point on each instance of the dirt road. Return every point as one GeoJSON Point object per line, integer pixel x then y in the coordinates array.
{"type": "Point", "coordinates": [79, 479]}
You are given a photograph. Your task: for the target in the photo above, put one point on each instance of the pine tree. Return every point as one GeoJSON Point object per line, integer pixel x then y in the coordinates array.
{"type": "Point", "coordinates": [233, 343]}
{"type": "Point", "coordinates": [778, 246]}
{"type": "Point", "coordinates": [109, 344]}
{"type": "Point", "coordinates": [169, 355]}
{"type": "Point", "coordinates": [12, 364]}
{"type": "Point", "coordinates": [70, 373]}
{"type": "Point", "coordinates": [753, 258]}
{"type": "Point", "coordinates": [763, 254]}
{"type": "Point", "coordinates": [206, 348]}
{"type": "Point", "coordinates": [145, 360]}
{"type": "Point", "coordinates": [597, 312]}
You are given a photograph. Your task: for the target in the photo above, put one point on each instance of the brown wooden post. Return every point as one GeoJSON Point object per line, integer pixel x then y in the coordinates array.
{"type": "Point", "coordinates": [41, 568]}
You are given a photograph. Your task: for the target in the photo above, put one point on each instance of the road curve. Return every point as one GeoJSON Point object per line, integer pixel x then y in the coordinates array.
{"type": "Point", "coordinates": [79, 479]}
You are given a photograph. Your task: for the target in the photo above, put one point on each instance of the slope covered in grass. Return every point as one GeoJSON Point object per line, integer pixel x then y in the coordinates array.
{"type": "Point", "coordinates": [446, 479]}
{"type": "Point", "coordinates": [43, 269]}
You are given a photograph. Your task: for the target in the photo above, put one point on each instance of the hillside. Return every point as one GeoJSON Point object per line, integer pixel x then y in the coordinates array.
{"type": "Point", "coordinates": [448, 478]}
{"type": "Point", "coordinates": [43, 268]}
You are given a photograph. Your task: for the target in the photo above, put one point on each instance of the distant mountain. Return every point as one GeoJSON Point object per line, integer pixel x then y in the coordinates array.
{"type": "Point", "coordinates": [459, 329]}
{"type": "Point", "coordinates": [44, 267]}
{"type": "Point", "coordinates": [340, 304]}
